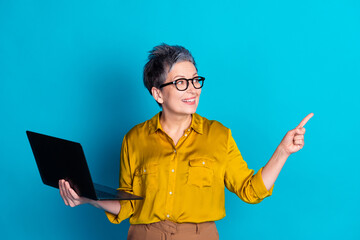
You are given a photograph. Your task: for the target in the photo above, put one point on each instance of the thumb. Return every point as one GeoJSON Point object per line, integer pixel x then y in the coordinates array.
{"type": "Point", "coordinates": [292, 133]}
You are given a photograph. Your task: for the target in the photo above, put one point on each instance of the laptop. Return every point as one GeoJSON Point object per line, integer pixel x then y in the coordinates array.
{"type": "Point", "coordinates": [58, 158]}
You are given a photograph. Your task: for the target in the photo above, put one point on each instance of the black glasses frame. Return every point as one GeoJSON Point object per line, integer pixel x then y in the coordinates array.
{"type": "Point", "coordinates": [198, 78]}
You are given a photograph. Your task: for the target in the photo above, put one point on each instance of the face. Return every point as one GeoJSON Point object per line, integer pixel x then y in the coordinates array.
{"type": "Point", "coordinates": [174, 101]}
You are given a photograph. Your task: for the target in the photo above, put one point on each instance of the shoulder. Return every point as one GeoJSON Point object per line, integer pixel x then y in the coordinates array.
{"type": "Point", "coordinates": [139, 130]}
{"type": "Point", "coordinates": [212, 126]}
{"type": "Point", "coordinates": [143, 129]}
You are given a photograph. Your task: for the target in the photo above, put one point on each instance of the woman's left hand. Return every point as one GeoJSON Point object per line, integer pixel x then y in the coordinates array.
{"type": "Point", "coordinates": [294, 139]}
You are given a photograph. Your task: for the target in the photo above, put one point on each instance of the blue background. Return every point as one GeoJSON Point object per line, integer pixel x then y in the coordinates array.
{"type": "Point", "coordinates": [73, 69]}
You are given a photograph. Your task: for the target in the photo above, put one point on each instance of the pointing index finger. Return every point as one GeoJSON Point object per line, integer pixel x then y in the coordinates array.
{"type": "Point", "coordinates": [305, 120]}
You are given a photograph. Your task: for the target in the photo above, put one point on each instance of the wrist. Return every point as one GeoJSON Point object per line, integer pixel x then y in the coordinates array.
{"type": "Point", "coordinates": [282, 151]}
{"type": "Point", "coordinates": [91, 202]}
{"type": "Point", "coordinates": [85, 200]}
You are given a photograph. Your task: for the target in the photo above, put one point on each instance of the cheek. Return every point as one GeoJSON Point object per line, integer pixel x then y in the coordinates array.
{"type": "Point", "coordinates": [198, 93]}
{"type": "Point", "coordinates": [172, 96]}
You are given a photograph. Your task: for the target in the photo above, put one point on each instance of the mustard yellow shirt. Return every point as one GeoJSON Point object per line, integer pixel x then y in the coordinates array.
{"type": "Point", "coordinates": [186, 182]}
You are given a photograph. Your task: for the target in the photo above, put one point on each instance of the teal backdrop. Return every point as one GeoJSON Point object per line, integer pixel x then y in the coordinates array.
{"type": "Point", "coordinates": [73, 69]}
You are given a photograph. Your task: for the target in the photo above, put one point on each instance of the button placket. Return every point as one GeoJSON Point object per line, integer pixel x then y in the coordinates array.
{"type": "Point", "coordinates": [171, 184]}
{"type": "Point", "coordinates": [187, 133]}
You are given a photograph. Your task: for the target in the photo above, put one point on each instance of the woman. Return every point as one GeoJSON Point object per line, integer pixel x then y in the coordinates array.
{"type": "Point", "coordinates": [180, 162]}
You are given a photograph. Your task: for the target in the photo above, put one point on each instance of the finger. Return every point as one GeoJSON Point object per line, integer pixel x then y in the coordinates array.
{"type": "Point", "coordinates": [67, 189]}
{"type": "Point", "coordinates": [299, 142]}
{"type": "Point", "coordinates": [74, 198]}
{"type": "Point", "coordinates": [300, 131]}
{"type": "Point", "coordinates": [77, 199]}
{"type": "Point", "coordinates": [296, 148]}
{"type": "Point", "coordinates": [65, 193]}
{"type": "Point", "coordinates": [73, 194]}
{"type": "Point", "coordinates": [68, 194]}
{"type": "Point", "coordinates": [305, 120]}
{"type": "Point", "coordinates": [60, 190]}
{"type": "Point", "coordinates": [299, 137]}
{"type": "Point", "coordinates": [62, 193]}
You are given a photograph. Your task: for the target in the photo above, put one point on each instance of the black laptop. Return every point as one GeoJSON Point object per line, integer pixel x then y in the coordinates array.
{"type": "Point", "coordinates": [58, 159]}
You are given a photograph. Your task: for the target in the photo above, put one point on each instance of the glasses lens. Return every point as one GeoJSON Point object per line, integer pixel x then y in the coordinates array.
{"type": "Point", "coordinates": [181, 84]}
{"type": "Point", "coordinates": [198, 82]}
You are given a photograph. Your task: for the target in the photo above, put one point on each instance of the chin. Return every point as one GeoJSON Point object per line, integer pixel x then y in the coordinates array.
{"type": "Point", "coordinates": [191, 110]}
{"type": "Point", "coordinates": [181, 109]}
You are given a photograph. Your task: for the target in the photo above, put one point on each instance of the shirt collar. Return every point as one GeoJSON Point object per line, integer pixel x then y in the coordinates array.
{"type": "Point", "coordinates": [154, 123]}
{"type": "Point", "coordinates": [196, 123]}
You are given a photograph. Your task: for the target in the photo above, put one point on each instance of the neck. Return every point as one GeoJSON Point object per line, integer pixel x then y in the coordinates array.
{"type": "Point", "coordinates": [174, 123]}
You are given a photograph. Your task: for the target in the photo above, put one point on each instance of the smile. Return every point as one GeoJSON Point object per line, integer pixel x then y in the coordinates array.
{"type": "Point", "coordinates": [189, 100]}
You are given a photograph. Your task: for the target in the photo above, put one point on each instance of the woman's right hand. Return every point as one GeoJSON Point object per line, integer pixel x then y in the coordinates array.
{"type": "Point", "coordinates": [70, 197]}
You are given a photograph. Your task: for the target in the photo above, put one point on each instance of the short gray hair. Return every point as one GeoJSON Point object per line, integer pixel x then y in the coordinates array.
{"type": "Point", "coordinates": [160, 61]}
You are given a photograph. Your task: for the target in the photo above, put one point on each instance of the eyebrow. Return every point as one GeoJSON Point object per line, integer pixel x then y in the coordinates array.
{"type": "Point", "coordinates": [181, 76]}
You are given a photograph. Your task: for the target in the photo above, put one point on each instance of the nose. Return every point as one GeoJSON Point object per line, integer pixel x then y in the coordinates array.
{"type": "Point", "coordinates": [191, 87]}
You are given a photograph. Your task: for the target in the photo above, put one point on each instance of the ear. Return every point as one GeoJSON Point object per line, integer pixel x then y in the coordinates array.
{"type": "Point", "coordinates": [157, 95]}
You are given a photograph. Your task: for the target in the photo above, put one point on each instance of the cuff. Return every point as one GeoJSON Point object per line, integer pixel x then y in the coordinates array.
{"type": "Point", "coordinates": [126, 210]}
{"type": "Point", "coordinates": [259, 186]}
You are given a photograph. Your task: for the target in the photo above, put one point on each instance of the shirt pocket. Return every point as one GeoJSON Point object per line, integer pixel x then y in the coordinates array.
{"type": "Point", "coordinates": [201, 172]}
{"type": "Point", "coordinates": [145, 179]}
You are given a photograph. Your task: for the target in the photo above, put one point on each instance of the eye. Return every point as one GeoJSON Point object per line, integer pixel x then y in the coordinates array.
{"type": "Point", "coordinates": [180, 82]}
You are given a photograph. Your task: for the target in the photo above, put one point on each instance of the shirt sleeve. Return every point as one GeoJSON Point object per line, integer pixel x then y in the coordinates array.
{"type": "Point", "coordinates": [126, 206]}
{"type": "Point", "coordinates": [241, 180]}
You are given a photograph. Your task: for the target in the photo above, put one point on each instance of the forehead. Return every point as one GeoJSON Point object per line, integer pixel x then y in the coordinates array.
{"type": "Point", "coordinates": [184, 69]}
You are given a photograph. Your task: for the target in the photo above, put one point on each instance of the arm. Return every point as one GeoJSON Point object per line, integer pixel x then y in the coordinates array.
{"type": "Point", "coordinates": [72, 199]}
{"type": "Point", "coordinates": [112, 207]}
{"type": "Point", "coordinates": [125, 183]}
{"type": "Point", "coordinates": [291, 143]}
{"type": "Point", "coordinates": [241, 180]}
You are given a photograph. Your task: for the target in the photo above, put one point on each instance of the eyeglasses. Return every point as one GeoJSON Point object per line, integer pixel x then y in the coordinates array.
{"type": "Point", "coordinates": [182, 84]}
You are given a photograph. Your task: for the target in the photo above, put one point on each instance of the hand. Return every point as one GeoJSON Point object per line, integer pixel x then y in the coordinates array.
{"type": "Point", "coordinates": [294, 139]}
{"type": "Point", "coordinates": [70, 197]}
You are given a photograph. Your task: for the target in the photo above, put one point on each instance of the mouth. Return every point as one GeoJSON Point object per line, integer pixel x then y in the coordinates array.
{"type": "Point", "coordinates": [189, 101]}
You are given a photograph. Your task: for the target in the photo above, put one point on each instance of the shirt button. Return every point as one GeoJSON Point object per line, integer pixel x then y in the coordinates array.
{"type": "Point", "coordinates": [170, 193]}
{"type": "Point", "coordinates": [188, 130]}
{"type": "Point", "coordinates": [203, 163]}
{"type": "Point", "coordinates": [174, 150]}
{"type": "Point", "coordinates": [144, 170]}
{"type": "Point", "coordinates": [185, 135]}
{"type": "Point", "coordinates": [167, 215]}
{"type": "Point", "coordinates": [172, 170]}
